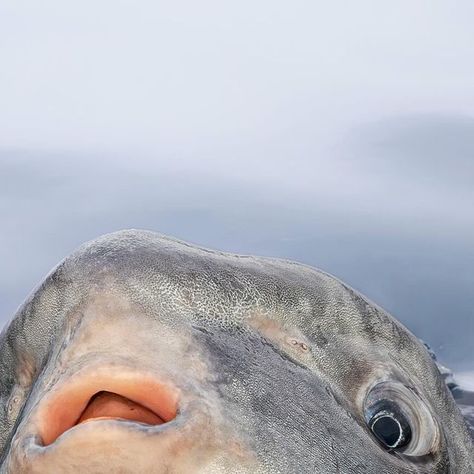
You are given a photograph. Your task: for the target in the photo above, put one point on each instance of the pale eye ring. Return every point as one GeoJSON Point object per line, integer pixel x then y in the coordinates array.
{"type": "Point", "coordinates": [400, 420]}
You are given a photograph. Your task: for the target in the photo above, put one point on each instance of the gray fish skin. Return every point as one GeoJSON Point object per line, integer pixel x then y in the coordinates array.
{"type": "Point", "coordinates": [269, 365]}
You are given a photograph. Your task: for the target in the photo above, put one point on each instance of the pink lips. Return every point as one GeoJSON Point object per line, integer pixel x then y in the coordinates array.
{"type": "Point", "coordinates": [105, 393]}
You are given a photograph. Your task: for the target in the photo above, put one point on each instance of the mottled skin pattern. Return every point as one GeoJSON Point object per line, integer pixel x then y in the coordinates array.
{"type": "Point", "coordinates": [272, 360]}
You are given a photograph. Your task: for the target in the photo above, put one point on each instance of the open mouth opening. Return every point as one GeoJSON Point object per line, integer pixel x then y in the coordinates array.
{"type": "Point", "coordinates": [106, 405]}
{"type": "Point", "coordinates": [104, 396]}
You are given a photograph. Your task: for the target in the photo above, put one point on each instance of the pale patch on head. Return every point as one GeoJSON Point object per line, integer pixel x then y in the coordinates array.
{"type": "Point", "coordinates": [109, 325]}
{"type": "Point", "coordinates": [109, 332]}
{"type": "Point", "coordinates": [286, 337]}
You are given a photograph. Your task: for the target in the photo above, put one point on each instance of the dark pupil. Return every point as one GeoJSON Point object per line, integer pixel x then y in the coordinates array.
{"type": "Point", "coordinates": [387, 430]}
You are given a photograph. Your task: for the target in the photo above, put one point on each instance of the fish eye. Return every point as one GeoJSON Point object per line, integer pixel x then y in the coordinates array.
{"type": "Point", "coordinates": [389, 425]}
{"type": "Point", "coordinates": [400, 420]}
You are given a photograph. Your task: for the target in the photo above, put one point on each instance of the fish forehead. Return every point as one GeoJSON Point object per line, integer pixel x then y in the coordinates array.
{"type": "Point", "coordinates": [175, 281]}
{"type": "Point", "coordinates": [320, 325]}
{"type": "Point", "coordinates": [165, 275]}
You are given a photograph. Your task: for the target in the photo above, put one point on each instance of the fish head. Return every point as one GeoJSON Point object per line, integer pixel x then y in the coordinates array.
{"type": "Point", "coordinates": [140, 353]}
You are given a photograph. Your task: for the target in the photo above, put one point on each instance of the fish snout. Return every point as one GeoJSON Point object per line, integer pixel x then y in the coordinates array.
{"type": "Point", "coordinates": [111, 418]}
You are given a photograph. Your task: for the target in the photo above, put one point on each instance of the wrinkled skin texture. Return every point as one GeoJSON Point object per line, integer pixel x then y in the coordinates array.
{"type": "Point", "coordinates": [255, 365]}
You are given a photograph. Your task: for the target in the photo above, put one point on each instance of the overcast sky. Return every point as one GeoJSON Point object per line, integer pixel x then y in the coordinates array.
{"type": "Point", "coordinates": [338, 134]}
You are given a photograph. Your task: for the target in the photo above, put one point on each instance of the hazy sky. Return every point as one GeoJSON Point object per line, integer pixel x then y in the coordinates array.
{"type": "Point", "coordinates": [338, 134]}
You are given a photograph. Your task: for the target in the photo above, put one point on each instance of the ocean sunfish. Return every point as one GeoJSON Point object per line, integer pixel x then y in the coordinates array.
{"type": "Point", "coordinates": [140, 353]}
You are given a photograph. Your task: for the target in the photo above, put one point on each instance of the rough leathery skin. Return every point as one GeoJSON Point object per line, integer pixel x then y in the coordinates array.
{"type": "Point", "coordinates": [270, 362]}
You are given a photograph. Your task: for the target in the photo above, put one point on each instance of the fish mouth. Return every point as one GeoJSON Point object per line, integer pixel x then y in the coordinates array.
{"type": "Point", "coordinates": [105, 394]}
{"type": "Point", "coordinates": [107, 405]}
